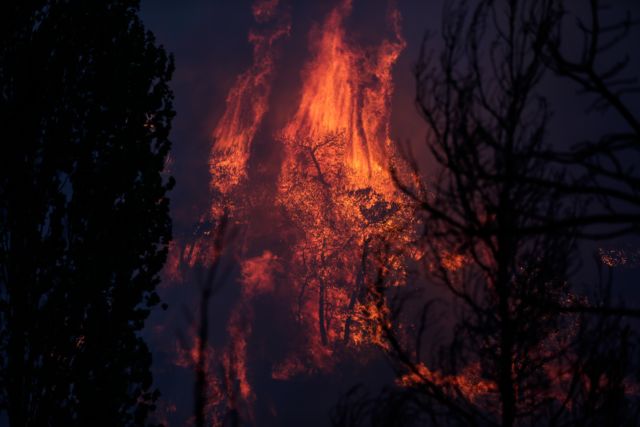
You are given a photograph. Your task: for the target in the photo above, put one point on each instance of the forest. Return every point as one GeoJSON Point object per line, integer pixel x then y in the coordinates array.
{"type": "Point", "coordinates": [274, 213]}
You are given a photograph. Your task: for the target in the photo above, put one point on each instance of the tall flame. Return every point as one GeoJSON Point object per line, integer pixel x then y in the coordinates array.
{"type": "Point", "coordinates": [347, 89]}
{"type": "Point", "coordinates": [335, 188]}
{"type": "Point", "coordinates": [333, 192]}
{"type": "Point", "coordinates": [335, 206]}
{"type": "Point", "coordinates": [247, 103]}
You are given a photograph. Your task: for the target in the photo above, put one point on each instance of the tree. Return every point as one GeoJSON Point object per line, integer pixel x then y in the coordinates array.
{"type": "Point", "coordinates": [502, 220]}
{"type": "Point", "coordinates": [603, 167]}
{"type": "Point", "coordinates": [84, 213]}
{"type": "Point", "coordinates": [340, 223]}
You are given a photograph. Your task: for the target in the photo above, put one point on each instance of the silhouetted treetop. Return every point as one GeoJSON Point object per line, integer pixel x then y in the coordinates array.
{"type": "Point", "coordinates": [85, 109]}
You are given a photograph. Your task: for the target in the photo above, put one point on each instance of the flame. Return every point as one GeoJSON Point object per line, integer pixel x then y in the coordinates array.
{"type": "Point", "coordinates": [189, 357]}
{"type": "Point", "coordinates": [334, 192]}
{"type": "Point", "coordinates": [257, 274]}
{"type": "Point", "coordinates": [335, 188]}
{"type": "Point", "coordinates": [452, 261]}
{"type": "Point", "coordinates": [469, 382]}
{"type": "Point", "coordinates": [257, 278]}
{"type": "Point", "coordinates": [348, 89]}
{"type": "Point", "coordinates": [619, 257]}
{"type": "Point", "coordinates": [247, 104]}
{"type": "Point", "coordinates": [339, 203]}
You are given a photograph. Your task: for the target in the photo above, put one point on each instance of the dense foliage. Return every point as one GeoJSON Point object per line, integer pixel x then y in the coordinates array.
{"type": "Point", "coordinates": [84, 215]}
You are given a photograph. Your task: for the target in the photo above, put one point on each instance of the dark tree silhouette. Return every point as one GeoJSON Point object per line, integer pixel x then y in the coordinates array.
{"type": "Point", "coordinates": [503, 220]}
{"type": "Point", "coordinates": [84, 215]}
{"type": "Point", "coordinates": [603, 167]}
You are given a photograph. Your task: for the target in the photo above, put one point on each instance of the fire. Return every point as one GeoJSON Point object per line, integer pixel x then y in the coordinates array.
{"type": "Point", "coordinates": [619, 257]}
{"type": "Point", "coordinates": [347, 89]}
{"type": "Point", "coordinates": [335, 188]}
{"type": "Point", "coordinates": [247, 104]}
{"type": "Point", "coordinates": [469, 383]}
{"type": "Point", "coordinates": [334, 193]}
{"type": "Point", "coordinates": [337, 210]}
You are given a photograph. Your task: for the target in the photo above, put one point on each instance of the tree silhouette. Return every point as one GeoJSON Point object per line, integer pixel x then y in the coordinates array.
{"type": "Point", "coordinates": [84, 216]}
{"type": "Point", "coordinates": [603, 166]}
{"type": "Point", "coordinates": [503, 220]}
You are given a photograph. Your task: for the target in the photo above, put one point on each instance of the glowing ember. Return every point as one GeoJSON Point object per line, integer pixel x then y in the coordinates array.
{"type": "Point", "coordinates": [619, 257]}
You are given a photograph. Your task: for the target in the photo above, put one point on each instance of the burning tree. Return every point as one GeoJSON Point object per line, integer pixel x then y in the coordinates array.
{"type": "Point", "coordinates": [502, 227]}
{"type": "Point", "coordinates": [339, 222]}
{"type": "Point", "coordinates": [333, 200]}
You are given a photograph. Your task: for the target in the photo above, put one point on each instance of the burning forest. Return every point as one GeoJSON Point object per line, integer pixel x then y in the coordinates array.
{"type": "Point", "coordinates": [369, 225]}
{"type": "Point", "coordinates": [334, 202]}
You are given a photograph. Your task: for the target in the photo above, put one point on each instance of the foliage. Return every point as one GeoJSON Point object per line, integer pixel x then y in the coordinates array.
{"type": "Point", "coordinates": [84, 213]}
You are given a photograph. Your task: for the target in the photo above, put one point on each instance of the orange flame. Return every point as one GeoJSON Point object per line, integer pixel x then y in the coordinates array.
{"type": "Point", "coordinates": [334, 189]}
{"type": "Point", "coordinates": [348, 91]}
{"type": "Point", "coordinates": [247, 103]}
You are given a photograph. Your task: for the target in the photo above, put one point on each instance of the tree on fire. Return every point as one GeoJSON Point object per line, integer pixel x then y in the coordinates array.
{"type": "Point", "coordinates": [84, 218]}
{"type": "Point", "coordinates": [504, 223]}
{"type": "Point", "coordinates": [340, 222]}
{"type": "Point", "coordinates": [318, 173]}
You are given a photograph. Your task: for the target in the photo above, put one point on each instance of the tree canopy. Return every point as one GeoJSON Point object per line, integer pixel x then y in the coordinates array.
{"type": "Point", "coordinates": [86, 111]}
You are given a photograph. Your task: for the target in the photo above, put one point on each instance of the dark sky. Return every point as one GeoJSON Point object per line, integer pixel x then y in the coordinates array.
{"type": "Point", "coordinates": [209, 41]}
